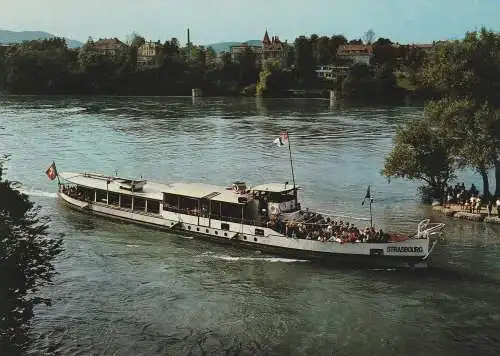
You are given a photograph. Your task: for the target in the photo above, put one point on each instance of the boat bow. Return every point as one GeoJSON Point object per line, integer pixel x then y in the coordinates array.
{"type": "Point", "coordinates": [426, 229]}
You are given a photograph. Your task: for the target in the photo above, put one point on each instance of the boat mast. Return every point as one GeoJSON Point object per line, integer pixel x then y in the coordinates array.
{"type": "Point", "coordinates": [291, 165]}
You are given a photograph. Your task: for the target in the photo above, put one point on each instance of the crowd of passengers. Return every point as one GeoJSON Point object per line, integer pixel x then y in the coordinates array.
{"type": "Point", "coordinates": [469, 200]}
{"type": "Point", "coordinates": [74, 192]}
{"type": "Point", "coordinates": [314, 226]}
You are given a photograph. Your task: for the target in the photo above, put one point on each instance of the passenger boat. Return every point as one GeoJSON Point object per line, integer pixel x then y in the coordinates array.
{"type": "Point", "coordinates": [266, 217]}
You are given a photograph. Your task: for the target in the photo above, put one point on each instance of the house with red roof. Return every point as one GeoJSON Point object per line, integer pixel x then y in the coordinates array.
{"type": "Point", "coordinates": [356, 53]}
{"type": "Point", "coordinates": [271, 48]}
{"type": "Point", "coordinates": [110, 46]}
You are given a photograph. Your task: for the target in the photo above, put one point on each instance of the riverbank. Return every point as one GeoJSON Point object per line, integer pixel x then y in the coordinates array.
{"type": "Point", "coordinates": [457, 212]}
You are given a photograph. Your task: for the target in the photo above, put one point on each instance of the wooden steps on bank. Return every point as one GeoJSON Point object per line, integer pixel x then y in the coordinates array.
{"type": "Point", "coordinates": [456, 212]}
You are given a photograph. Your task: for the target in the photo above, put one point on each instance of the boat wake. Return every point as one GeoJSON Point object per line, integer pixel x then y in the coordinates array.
{"type": "Point", "coordinates": [265, 259]}
{"type": "Point", "coordinates": [186, 237]}
{"type": "Point", "coordinates": [75, 109]}
{"type": "Point", "coordinates": [37, 193]}
{"type": "Point", "coordinates": [383, 269]}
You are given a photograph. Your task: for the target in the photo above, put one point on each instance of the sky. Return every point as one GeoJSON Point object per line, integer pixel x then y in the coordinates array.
{"type": "Point", "coordinates": [210, 21]}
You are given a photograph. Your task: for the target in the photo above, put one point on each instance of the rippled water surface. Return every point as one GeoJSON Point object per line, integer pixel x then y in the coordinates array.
{"type": "Point", "coordinates": [125, 290]}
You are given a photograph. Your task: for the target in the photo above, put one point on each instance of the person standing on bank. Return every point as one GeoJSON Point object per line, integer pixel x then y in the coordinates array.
{"type": "Point", "coordinates": [490, 206]}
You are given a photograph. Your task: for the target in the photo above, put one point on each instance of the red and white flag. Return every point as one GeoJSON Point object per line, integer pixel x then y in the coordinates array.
{"type": "Point", "coordinates": [51, 172]}
{"type": "Point", "coordinates": [282, 139]}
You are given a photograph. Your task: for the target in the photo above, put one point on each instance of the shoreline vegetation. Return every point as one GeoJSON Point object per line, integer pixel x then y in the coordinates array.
{"type": "Point", "coordinates": [384, 72]}
{"type": "Point", "coordinates": [460, 129]}
{"type": "Point", "coordinates": [27, 263]}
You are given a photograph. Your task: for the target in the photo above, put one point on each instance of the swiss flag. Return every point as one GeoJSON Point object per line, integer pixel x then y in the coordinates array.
{"type": "Point", "coordinates": [51, 172]}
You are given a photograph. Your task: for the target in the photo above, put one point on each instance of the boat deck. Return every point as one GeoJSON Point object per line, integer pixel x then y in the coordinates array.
{"type": "Point", "coordinates": [154, 190]}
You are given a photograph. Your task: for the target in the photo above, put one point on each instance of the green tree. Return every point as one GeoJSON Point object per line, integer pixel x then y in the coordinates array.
{"type": "Point", "coordinates": [323, 54]}
{"type": "Point", "coordinates": [211, 58]}
{"type": "Point", "coordinates": [383, 41]}
{"type": "Point", "coordinates": [384, 52]}
{"type": "Point", "coordinates": [335, 42]}
{"type": "Point", "coordinates": [37, 67]}
{"type": "Point", "coordinates": [304, 61]}
{"type": "Point", "coordinates": [469, 70]}
{"type": "Point", "coordinates": [98, 69]}
{"type": "Point", "coordinates": [136, 41]}
{"type": "Point", "coordinates": [359, 82]}
{"type": "Point", "coordinates": [384, 82]}
{"type": "Point", "coordinates": [469, 131]}
{"type": "Point", "coordinates": [248, 70]}
{"type": "Point", "coordinates": [420, 153]}
{"type": "Point", "coordinates": [27, 252]}
{"type": "Point", "coordinates": [171, 50]}
{"type": "Point", "coordinates": [272, 80]}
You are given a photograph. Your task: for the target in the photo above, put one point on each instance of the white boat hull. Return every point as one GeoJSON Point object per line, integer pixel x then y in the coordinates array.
{"type": "Point", "coordinates": [411, 252]}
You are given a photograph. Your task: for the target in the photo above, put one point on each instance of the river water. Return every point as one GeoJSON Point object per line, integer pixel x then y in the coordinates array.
{"type": "Point", "coordinates": [125, 290]}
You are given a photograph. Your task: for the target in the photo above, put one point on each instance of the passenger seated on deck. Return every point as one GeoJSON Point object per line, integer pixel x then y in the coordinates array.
{"type": "Point", "coordinates": [302, 230]}
{"type": "Point", "coordinates": [316, 235]}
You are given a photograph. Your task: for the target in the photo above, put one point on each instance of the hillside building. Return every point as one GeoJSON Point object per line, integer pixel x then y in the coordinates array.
{"type": "Point", "coordinates": [110, 46]}
{"type": "Point", "coordinates": [147, 54]}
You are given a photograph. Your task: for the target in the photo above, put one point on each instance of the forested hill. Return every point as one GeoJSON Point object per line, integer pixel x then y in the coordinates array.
{"type": "Point", "coordinates": [19, 37]}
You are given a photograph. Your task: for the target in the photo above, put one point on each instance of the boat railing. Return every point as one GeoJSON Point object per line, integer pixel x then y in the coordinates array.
{"type": "Point", "coordinates": [95, 175]}
{"type": "Point", "coordinates": [129, 210]}
{"type": "Point", "coordinates": [427, 229]}
{"type": "Point", "coordinates": [332, 214]}
{"type": "Point", "coordinates": [194, 212]}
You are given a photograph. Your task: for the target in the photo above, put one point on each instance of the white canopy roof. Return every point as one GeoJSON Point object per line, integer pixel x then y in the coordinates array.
{"type": "Point", "coordinates": [152, 190]}
{"type": "Point", "coordinates": [273, 187]}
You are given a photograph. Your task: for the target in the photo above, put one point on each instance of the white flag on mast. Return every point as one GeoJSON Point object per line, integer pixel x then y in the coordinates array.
{"type": "Point", "coordinates": [282, 139]}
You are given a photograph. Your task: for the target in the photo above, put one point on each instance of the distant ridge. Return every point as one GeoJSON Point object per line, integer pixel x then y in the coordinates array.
{"type": "Point", "coordinates": [18, 37]}
{"type": "Point", "coordinates": [226, 46]}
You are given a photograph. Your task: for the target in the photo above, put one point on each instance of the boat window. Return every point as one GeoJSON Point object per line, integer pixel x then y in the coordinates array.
{"type": "Point", "coordinates": [88, 193]}
{"type": "Point", "coordinates": [170, 202]}
{"type": "Point", "coordinates": [204, 208]}
{"type": "Point", "coordinates": [224, 226]}
{"type": "Point", "coordinates": [126, 201]}
{"type": "Point", "coordinates": [259, 232]}
{"type": "Point", "coordinates": [154, 206]}
{"type": "Point", "coordinates": [281, 197]}
{"type": "Point", "coordinates": [231, 212]}
{"type": "Point", "coordinates": [139, 204]}
{"type": "Point", "coordinates": [215, 209]}
{"type": "Point", "coordinates": [113, 198]}
{"type": "Point", "coordinates": [101, 196]}
{"type": "Point", "coordinates": [188, 205]}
